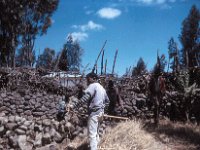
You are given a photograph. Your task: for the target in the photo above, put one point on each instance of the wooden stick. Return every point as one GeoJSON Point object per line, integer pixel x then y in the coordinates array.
{"type": "Point", "coordinates": [107, 116]}
{"type": "Point", "coordinates": [95, 64]}
{"type": "Point", "coordinates": [105, 148]}
{"type": "Point", "coordinates": [114, 61]}
{"type": "Point", "coordinates": [115, 117]}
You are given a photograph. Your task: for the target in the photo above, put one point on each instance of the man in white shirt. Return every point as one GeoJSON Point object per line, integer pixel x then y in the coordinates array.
{"type": "Point", "coordinates": [96, 98]}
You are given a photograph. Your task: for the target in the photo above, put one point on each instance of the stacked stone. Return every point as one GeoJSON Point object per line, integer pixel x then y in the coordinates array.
{"type": "Point", "coordinates": [28, 119]}
{"type": "Point", "coordinates": [19, 133]}
{"type": "Point", "coordinates": [134, 96]}
{"type": "Point", "coordinates": [175, 102]}
{"type": "Point", "coordinates": [39, 105]}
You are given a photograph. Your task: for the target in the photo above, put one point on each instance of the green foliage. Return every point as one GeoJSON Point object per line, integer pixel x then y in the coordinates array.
{"type": "Point", "coordinates": [63, 60]}
{"type": "Point", "coordinates": [174, 55]}
{"type": "Point", "coordinates": [190, 38]}
{"type": "Point", "coordinates": [140, 68]}
{"type": "Point", "coordinates": [70, 58]}
{"type": "Point", "coordinates": [47, 59]}
{"type": "Point", "coordinates": [20, 22]}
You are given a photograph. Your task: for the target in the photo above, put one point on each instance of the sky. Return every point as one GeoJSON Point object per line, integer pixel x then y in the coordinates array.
{"type": "Point", "coordinates": [137, 28]}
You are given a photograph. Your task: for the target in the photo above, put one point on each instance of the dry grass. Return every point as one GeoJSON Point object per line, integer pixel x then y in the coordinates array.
{"type": "Point", "coordinates": [140, 135]}
{"type": "Point", "coordinates": [130, 136]}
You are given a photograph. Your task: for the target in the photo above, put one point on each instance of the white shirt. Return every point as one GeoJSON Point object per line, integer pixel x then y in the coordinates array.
{"type": "Point", "coordinates": [99, 96]}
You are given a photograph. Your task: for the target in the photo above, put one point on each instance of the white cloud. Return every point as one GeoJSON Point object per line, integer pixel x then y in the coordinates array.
{"type": "Point", "coordinates": [160, 1]}
{"type": "Point", "coordinates": [145, 1]}
{"type": "Point", "coordinates": [89, 26]}
{"type": "Point", "coordinates": [88, 12]}
{"type": "Point", "coordinates": [148, 2]}
{"type": "Point", "coordinates": [166, 6]}
{"type": "Point", "coordinates": [79, 36]}
{"type": "Point", "coordinates": [109, 13]}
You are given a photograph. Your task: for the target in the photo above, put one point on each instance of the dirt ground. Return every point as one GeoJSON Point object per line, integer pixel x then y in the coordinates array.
{"type": "Point", "coordinates": [144, 135]}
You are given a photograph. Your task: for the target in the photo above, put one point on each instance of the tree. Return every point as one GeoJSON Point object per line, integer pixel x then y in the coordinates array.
{"type": "Point", "coordinates": [63, 59]}
{"type": "Point", "coordinates": [47, 59]}
{"type": "Point", "coordinates": [20, 22]}
{"type": "Point", "coordinates": [20, 58]}
{"type": "Point", "coordinates": [190, 39]}
{"type": "Point", "coordinates": [74, 53]}
{"type": "Point", "coordinates": [10, 25]}
{"type": "Point", "coordinates": [140, 68]}
{"type": "Point", "coordinates": [173, 54]}
{"type": "Point", "coordinates": [70, 57]}
{"type": "Point", "coordinates": [163, 62]}
{"type": "Point", "coordinates": [36, 20]}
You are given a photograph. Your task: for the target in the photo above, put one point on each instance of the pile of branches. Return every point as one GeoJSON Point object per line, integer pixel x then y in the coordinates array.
{"type": "Point", "coordinates": [23, 79]}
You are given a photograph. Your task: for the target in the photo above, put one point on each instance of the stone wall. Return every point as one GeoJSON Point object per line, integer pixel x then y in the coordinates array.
{"type": "Point", "coordinates": [28, 118]}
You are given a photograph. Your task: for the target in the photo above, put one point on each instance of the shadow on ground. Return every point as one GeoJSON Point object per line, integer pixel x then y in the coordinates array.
{"type": "Point", "coordinates": [175, 132]}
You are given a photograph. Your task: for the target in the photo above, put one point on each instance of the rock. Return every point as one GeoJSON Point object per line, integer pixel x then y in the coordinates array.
{"type": "Point", "coordinates": [124, 111]}
{"type": "Point", "coordinates": [52, 132]}
{"type": "Point", "coordinates": [38, 139]}
{"type": "Point", "coordinates": [27, 97]}
{"type": "Point", "coordinates": [23, 144]}
{"type": "Point", "coordinates": [13, 141]}
{"type": "Point", "coordinates": [3, 120]}
{"type": "Point", "coordinates": [25, 103]}
{"type": "Point", "coordinates": [46, 139]}
{"type": "Point", "coordinates": [39, 95]}
{"type": "Point", "coordinates": [52, 112]}
{"type": "Point", "coordinates": [23, 127]}
{"type": "Point", "coordinates": [27, 112]}
{"type": "Point", "coordinates": [30, 118]}
{"type": "Point", "coordinates": [6, 99]}
{"type": "Point", "coordinates": [2, 131]}
{"type": "Point", "coordinates": [3, 95]}
{"type": "Point", "coordinates": [27, 123]}
{"type": "Point", "coordinates": [47, 104]}
{"type": "Point", "coordinates": [57, 137]}
{"type": "Point", "coordinates": [51, 97]}
{"type": "Point", "coordinates": [43, 108]}
{"type": "Point", "coordinates": [11, 125]}
{"type": "Point", "coordinates": [19, 110]}
{"type": "Point", "coordinates": [2, 114]}
{"type": "Point", "coordinates": [43, 117]}
{"type": "Point", "coordinates": [46, 122]}
{"type": "Point", "coordinates": [20, 131]}
{"type": "Point", "coordinates": [52, 105]}
{"type": "Point", "coordinates": [52, 146]}
{"type": "Point", "coordinates": [3, 108]}
{"type": "Point", "coordinates": [18, 119]}
{"type": "Point", "coordinates": [28, 107]}
{"type": "Point", "coordinates": [32, 102]}
{"type": "Point", "coordinates": [38, 113]}
{"type": "Point", "coordinates": [38, 106]}
{"type": "Point", "coordinates": [1, 103]}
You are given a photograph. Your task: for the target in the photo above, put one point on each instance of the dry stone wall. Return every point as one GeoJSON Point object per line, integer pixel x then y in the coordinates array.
{"type": "Point", "coordinates": [28, 115]}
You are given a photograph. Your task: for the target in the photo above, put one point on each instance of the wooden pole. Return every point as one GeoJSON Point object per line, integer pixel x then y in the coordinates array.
{"type": "Point", "coordinates": [105, 67]}
{"type": "Point", "coordinates": [95, 64]}
{"type": "Point", "coordinates": [102, 63]}
{"type": "Point", "coordinates": [114, 61]}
